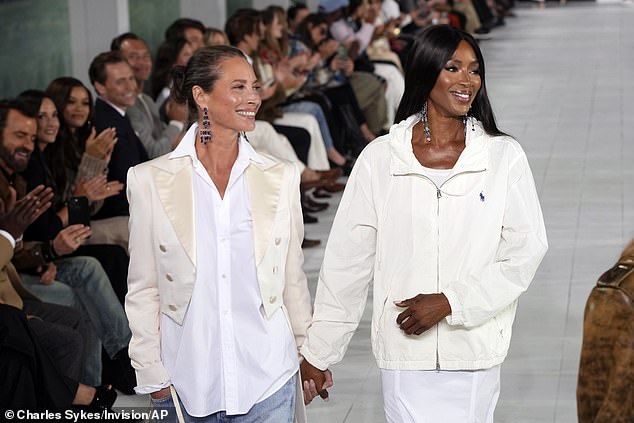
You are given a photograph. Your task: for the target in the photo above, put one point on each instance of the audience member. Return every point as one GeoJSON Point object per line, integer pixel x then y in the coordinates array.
{"type": "Point", "coordinates": [157, 137]}
{"type": "Point", "coordinates": [73, 281]}
{"type": "Point", "coordinates": [113, 258]}
{"type": "Point", "coordinates": [172, 52]}
{"type": "Point", "coordinates": [190, 29]}
{"type": "Point", "coordinates": [215, 37]}
{"type": "Point", "coordinates": [115, 85]}
{"type": "Point", "coordinates": [79, 155]}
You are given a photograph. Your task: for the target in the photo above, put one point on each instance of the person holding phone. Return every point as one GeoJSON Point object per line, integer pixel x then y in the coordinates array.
{"type": "Point", "coordinates": [91, 278]}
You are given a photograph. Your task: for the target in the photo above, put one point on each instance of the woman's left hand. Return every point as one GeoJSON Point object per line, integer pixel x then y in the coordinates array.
{"type": "Point", "coordinates": [422, 312]}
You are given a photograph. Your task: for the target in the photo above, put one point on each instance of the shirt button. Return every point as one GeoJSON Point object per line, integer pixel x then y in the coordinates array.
{"type": "Point", "coordinates": [275, 270]}
{"type": "Point", "coordinates": [162, 248]}
{"type": "Point", "coordinates": [169, 277]}
{"type": "Point", "coordinates": [173, 307]}
{"type": "Point", "coordinates": [272, 299]}
{"type": "Point", "coordinates": [224, 276]}
{"type": "Point", "coordinates": [278, 240]}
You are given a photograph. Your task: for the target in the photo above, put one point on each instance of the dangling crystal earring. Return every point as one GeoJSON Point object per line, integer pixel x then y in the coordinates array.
{"type": "Point", "coordinates": [205, 133]}
{"type": "Point", "coordinates": [426, 124]}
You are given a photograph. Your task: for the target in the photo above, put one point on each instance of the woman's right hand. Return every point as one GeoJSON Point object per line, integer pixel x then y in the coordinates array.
{"type": "Point", "coordinates": [70, 238]}
{"type": "Point", "coordinates": [100, 146]}
{"type": "Point", "coordinates": [161, 394]}
{"type": "Point", "coordinates": [97, 188]}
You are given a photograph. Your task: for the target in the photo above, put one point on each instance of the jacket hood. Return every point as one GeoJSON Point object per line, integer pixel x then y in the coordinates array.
{"type": "Point", "coordinates": [402, 159]}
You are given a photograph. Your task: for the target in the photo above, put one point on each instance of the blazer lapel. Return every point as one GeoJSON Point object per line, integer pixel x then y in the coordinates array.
{"type": "Point", "coordinates": [175, 190]}
{"type": "Point", "coordinates": [264, 192]}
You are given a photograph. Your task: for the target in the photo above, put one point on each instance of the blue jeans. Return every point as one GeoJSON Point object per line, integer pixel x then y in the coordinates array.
{"type": "Point", "coordinates": [315, 110]}
{"type": "Point", "coordinates": [278, 408]}
{"type": "Point", "coordinates": [83, 284]}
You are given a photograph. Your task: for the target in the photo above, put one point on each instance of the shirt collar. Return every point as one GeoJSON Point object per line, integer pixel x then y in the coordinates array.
{"type": "Point", "coordinates": [186, 147]}
{"type": "Point", "coordinates": [118, 109]}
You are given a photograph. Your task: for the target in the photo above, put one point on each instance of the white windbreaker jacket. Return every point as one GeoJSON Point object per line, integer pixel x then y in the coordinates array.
{"type": "Point", "coordinates": [478, 239]}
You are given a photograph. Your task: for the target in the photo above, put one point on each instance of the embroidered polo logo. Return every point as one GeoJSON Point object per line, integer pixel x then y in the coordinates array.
{"type": "Point", "coordinates": [482, 196]}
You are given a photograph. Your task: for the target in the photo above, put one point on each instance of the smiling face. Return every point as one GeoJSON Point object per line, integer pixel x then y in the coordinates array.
{"type": "Point", "coordinates": [120, 85]}
{"type": "Point", "coordinates": [234, 99]}
{"type": "Point", "coordinates": [457, 84]}
{"type": "Point", "coordinates": [18, 141]}
{"type": "Point", "coordinates": [77, 109]}
{"type": "Point", "coordinates": [138, 56]}
{"type": "Point", "coordinates": [47, 122]}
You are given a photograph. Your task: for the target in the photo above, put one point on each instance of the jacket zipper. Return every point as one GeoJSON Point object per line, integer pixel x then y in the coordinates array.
{"type": "Point", "coordinates": [438, 196]}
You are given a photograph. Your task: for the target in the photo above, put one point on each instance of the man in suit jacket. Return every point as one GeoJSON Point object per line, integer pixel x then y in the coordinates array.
{"type": "Point", "coordinates": [115, 84]}
{"type": "Point", "coordinates": [157, 137]}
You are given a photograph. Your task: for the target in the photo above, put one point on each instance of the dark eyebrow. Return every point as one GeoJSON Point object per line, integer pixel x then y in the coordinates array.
{"type": "Point", "coordinates": [458, 61]}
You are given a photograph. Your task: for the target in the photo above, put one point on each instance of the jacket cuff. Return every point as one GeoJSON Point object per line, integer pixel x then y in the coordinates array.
{"type": "Point", "coordinates": [153, 375]}
{"type": "Point", "coordinates": [308, 356]}
{"type": "Point", "coordinates": [456, 317]}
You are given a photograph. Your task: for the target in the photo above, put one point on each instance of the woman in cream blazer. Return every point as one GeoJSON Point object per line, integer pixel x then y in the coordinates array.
{"type": "Point", "coordinates": [183, 341]}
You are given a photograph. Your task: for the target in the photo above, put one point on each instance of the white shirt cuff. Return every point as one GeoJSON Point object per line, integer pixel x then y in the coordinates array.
{"type": "Point", "coordinates": [148, 389]}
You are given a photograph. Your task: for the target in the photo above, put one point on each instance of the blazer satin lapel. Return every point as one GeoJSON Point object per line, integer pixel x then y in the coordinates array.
{"type": "Point", "coordinates": [264, 191]}
{"type": "Point", "coordinates": [176, 193]}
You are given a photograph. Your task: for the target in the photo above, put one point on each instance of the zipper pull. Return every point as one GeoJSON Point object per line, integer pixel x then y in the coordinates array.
{"type": "Point", "coordinates": [438, 193]}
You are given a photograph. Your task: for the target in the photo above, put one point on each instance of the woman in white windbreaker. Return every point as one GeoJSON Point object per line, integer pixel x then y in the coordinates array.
{"type": "Point", "coordinates": [442, 215]}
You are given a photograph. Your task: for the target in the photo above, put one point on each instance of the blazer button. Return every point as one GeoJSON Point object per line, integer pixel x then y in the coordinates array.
{"type": "Point", "coordinates": [162, 248]}
{"type": "Point", "coordinates": [278, 240]}
{"type": "Point", "coordinates": [275, 270]}
{"type": "Point", "coordinates": [173, 307]}
{"type": "Point", "coordinates": [272, 299]}
{"type": "Point", "coordinates": [169, 277]}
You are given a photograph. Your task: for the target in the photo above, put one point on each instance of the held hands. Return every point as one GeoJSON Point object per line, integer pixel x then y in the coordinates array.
{"type": "Point", "coordinates": [312, 377]}
{"type": "Point", "coordinates": [422, 312]}
{"type": "Point", "coordinates": [164, 392]}
{"type": "Point", "coordinates": [100, 146]}
{"type": "Point", "coordinates": [70, 238]}
{"type": "Point", "coordinates": [16, 216]}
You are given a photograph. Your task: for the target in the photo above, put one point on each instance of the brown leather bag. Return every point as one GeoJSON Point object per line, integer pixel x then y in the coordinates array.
{"type": "Point", "coordinates": [605, 388]}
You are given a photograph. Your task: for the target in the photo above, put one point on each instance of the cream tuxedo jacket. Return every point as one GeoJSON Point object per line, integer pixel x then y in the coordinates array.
{"type": "Point", "coordinates": [163, 251]}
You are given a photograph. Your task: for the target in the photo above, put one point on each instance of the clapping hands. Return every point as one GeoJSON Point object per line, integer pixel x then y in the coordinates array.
{"type": "Point", "coordinates": [16, 216]}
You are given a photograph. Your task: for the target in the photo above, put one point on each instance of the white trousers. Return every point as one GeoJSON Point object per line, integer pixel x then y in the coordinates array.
{"type": "Point", "coordinates": [394, 90]}
{"type": "Point", "coordinates": [317, 156]}
{"type": "Point", "coordinates": [412, 396]}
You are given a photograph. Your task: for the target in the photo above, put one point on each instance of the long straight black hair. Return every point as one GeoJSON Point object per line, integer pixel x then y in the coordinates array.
{"type": "Point", "coordinates": [429, 54]}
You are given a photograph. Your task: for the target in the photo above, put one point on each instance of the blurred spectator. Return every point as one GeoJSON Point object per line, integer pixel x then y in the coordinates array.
{"type": "Point", "coordinates": [157, 137]}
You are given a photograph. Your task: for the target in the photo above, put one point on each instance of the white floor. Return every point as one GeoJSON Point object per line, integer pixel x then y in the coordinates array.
{"type": "Point", "coordinates": [561, 81]}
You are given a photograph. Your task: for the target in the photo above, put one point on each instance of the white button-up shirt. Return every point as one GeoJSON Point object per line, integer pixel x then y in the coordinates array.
{"type": "Point", "coordinates": [226, 355]}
